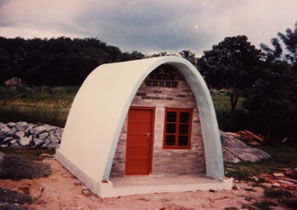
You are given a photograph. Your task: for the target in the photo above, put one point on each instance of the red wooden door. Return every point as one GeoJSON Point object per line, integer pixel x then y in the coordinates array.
{"type": "Point", "coordinates": [139, 141]}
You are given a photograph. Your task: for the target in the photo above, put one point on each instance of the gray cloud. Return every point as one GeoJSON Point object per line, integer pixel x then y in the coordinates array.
{"type": "Point", "coordinates": [148, 26]}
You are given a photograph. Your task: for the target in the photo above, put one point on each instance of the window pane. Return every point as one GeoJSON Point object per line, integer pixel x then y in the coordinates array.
{"type": "Point", "coordinates": [170, 128]}
{"type": "Point", "coordinates": [171, 116]}
{"type": "Point", "coordinates": [170, 140]}
{"type": "Point", "coordinates": [184, 117]}
{"type": "Point", "coordinates": [183, 140]}
{"type": "Point", "coordinates": [183, 129]}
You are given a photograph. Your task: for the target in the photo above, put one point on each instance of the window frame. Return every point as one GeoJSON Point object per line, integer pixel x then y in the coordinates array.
{"type": "Point", "coordinates": [178, 123]}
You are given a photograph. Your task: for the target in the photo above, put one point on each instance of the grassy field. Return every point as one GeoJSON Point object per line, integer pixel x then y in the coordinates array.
{"type": "Point", "coordinates": [229, 121]}
{"type": "Point", "coordinates": [51, 105]}
{"type": "Point", "coordinates": [222, 102]}
{"type": "Point", "coordinates": [36, 104]}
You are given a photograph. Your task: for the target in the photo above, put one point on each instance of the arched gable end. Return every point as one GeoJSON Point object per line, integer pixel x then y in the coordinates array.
{"type": "Point", "coordinates": [209, 126]}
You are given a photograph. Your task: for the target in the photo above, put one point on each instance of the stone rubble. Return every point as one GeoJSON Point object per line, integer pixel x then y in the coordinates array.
{"type": "Point", "coordinates": [28, 135]}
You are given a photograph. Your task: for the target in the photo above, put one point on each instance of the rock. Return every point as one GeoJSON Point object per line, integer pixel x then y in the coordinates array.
{"type": "Point", "coordinates": [254, 178]}
{"type": "Point", "coordinates": [15, 145]}
{"type": "Point", "coordinates": [49, 127]}
{"type": "Point", "coordinates": [12, 131]}
{"type": "Point", "coordinates": [4, 129]}
{"type": "Point", "coordinates": [46, 142]}
{"type": "Point", "coordinates": [234, 150]}
{"type": "Point", "coordinates": [59, 132]}
{"type": "Point", "coordinates": [230, 141]}
{"type": "Point", "coordinates": [29, 128]}
{"type": "Point", "coordinates": [25, 141]}
{"type": "Point", "coordinates": [286, 182]}
{"type": "Point", "coordinates": [267, 185]}
{"type": "Point", "coordinates": [86, 192]}
{"type": "Point", "coordinates": [7, 139]}
{"type": "Point", "coordinates": [20, 134]}
{"type": "Point", "coordinates": [11, 124]}
{"type": "Point", "coordinates": [14, 141]}
{"type": "Point", "coordinates": [38, 129]}
{"type": "Point", "coordinates": [43, 135]}
{"type": "Point", "coordinates": [278, 174]}
{"type": "Point", "coordinates": [21, 126]}
{"type": "Point", "coordinates": [37, 142]}
{"type": "Point", "coordinates": [55, 139]}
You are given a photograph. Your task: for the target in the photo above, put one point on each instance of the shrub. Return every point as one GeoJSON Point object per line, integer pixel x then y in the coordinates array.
{"type": "Point", "coordinates": [18, 167]}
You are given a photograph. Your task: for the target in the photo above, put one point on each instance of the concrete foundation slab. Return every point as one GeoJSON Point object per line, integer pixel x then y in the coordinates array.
{"type": "Point", "coordinates": [131, 185]}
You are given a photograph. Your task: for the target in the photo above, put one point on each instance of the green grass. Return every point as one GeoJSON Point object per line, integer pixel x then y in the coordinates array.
{"type": "Point", "coordinates": [33, 94]}
{"type": "Point", "coordinates": [36, 104]}
{"type": "Point", "coordinates": [51, 105]}
{"type": "Point", "coordinates": [229, 121]}
{"type": "Point", "coordinates": [38, 113]}
{"type": "Point", "coordinates": [282, 157]}
{"type": "Point", "coordinates": [222, 102]}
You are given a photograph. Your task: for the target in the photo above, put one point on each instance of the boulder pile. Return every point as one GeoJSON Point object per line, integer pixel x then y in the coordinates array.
{"type": "Point", "coordinates": [28, 135]}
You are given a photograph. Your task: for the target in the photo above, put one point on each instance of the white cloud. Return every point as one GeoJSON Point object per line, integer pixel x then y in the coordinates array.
{"type": "Point", "coordinates": [156, 25]}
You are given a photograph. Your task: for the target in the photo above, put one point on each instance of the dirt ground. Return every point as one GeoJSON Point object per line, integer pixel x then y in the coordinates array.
{"type": "Point", "coordinates": [63, 191]}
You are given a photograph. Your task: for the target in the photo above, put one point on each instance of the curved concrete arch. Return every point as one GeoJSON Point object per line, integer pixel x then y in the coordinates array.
{"type": "Point", "coordinates": [98, 113]}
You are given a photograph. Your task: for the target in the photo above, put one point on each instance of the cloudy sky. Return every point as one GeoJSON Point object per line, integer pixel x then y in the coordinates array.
{"type": "Point", "coordinates": [149, 25]}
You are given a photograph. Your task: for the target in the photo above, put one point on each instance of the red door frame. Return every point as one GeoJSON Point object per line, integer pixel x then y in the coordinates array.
{"type": "Point", "coordinates": [152, 135]}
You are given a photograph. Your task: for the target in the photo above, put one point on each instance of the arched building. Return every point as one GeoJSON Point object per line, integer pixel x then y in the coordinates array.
{"type": "Point", "coordinates": [152, 117]}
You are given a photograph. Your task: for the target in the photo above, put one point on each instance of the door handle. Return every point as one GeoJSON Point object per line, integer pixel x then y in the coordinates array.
{"type": "Point", "coordinates": [147, 134]}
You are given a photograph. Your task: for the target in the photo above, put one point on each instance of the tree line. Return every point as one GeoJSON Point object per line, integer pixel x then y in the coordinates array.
{"type": "Point", "coordinates": [58, 61]}
{"type": "Point", "coordinates": [265, 77]}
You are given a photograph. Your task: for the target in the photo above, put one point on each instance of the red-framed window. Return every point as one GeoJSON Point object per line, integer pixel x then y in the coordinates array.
{"type": "Point", "coordinates": [177, 128]}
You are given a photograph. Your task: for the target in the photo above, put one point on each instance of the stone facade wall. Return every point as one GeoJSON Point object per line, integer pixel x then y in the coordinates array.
{"type": "Point", "coordinates": [166, 161]}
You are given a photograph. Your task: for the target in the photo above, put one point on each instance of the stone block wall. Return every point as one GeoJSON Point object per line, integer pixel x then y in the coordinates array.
{"type": "Point", "coordinates": [166, 161]}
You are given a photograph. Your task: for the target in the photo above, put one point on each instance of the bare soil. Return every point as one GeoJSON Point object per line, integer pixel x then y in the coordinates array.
{"type": "Point", "coordinates": [61, 190]}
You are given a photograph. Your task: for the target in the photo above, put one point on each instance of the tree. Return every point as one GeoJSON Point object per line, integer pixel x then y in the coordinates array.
{"type": "Point", "coordinates": [57, 61]}
{"type": "Point", "coordinates": [272, 101]}
{"type": "Point", "coordinates": [231, 64]}
{"type": "Point", "coordinates": [289, 41]}
{"type": "Point", "coordinates": [189, 56]}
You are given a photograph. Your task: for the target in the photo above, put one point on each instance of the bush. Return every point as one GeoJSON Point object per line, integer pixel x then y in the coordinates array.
{"type": "Point", "coordinates": [18, 167]}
